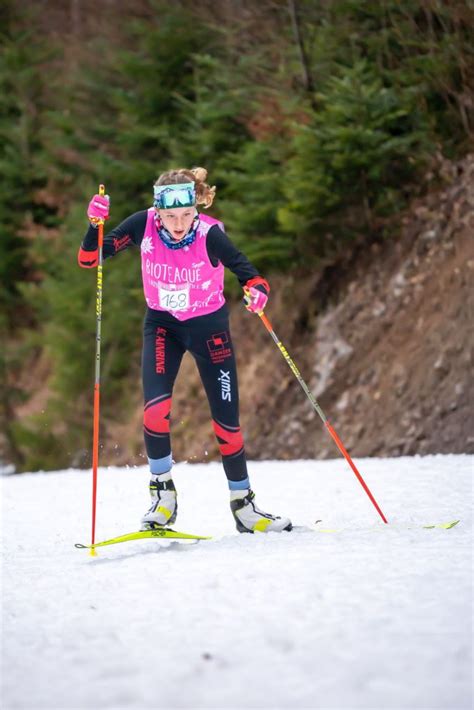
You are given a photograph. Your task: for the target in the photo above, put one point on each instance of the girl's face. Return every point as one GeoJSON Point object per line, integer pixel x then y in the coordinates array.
{"type": "Point", "coordinates": [177, 221]}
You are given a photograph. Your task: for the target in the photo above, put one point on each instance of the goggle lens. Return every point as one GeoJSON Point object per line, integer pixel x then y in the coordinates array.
{"type": "Point", "coordinates": [168, 197]}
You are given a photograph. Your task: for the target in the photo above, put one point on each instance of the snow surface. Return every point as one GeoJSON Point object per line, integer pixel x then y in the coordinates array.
{"type": "Point", "coordinates": [371, 617]}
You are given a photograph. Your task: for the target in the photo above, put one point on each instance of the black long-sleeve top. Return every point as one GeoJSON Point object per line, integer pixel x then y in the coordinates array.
{"type": "Point", "coordinates": [130, 233]}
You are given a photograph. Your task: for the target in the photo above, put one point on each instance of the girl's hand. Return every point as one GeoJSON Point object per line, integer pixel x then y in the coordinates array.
{"type": "Point", "coordinates": [98, 209]}
{"type": "Point", "coordinates": [255, 300]}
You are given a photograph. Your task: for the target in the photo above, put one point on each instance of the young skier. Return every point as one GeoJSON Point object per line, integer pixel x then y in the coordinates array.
{"type": "Point", "coordinates": [183, 255]}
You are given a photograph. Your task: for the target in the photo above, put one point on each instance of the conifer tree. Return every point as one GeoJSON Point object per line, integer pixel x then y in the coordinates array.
{"type": "Point", "coordinates": [21, 115]}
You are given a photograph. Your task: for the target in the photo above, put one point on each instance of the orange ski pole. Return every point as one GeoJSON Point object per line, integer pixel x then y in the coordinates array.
{"type": "Point", "coordinates": [318, 409]}
{"type": "Point", "coordinates": [95, 435]}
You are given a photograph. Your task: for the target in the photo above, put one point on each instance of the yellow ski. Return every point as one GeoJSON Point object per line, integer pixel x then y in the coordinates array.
{"type": "Point", "coordinates": [161, 533]}
{"type": "Point", "coordinates": [396, 526]}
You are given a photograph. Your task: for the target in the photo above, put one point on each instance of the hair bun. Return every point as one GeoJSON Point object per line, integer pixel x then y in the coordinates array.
{"type": "Point", "coordinates": [200, 174]}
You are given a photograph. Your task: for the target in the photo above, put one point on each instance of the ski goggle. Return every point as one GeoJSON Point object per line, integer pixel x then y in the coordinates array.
{"type": "Point", "coordinates": [169, 197]}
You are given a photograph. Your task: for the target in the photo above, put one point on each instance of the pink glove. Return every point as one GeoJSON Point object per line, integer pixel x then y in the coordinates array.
{"type": "Point", "coordinates": [98, 210]}
{"type": "Point", "coordinates": [255, 300]}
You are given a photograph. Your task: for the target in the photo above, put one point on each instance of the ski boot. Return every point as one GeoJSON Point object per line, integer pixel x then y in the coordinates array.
{"type": "Point", "coordinates": [249, 519]}
{"type": "Point", "coordinates": [164, 506]}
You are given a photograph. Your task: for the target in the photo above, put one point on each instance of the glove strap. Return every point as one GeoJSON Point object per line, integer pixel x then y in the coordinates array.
{"type": "Point", "coordinates": [258, 281]}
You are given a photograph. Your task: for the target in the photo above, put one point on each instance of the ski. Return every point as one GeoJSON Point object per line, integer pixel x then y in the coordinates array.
{"type": "Point", "coordinates": [162, 533]}
{"type": "Point", "coordinates": [169, 534]}
{"type": "Point", "coordinates": [394, 526]}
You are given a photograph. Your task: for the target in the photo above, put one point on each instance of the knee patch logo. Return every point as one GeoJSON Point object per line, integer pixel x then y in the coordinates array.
{"type": "Point", "coordinates": [230, 439]}
{"type": "Point", "coordinates": [156, 417]}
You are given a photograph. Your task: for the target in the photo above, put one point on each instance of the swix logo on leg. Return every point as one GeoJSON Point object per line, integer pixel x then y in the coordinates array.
{"type": "Point", "coordinates": [160, 351]}
{"type": "Point", "coordinates": [224, 379]}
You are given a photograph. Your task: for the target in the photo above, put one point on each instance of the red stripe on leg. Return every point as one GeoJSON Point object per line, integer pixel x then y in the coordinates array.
{"type": "Point", "coordinates": [156, 417]}
{"type": "Point", "coordinates": [230, 442]}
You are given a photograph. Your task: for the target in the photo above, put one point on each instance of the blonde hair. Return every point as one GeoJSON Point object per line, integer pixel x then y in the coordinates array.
{"type": "Point", "coordinates": [204, 193]}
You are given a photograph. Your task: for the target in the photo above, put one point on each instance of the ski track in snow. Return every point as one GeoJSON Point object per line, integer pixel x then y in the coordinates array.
{"type": "Point", "coordinates": [371, 617]}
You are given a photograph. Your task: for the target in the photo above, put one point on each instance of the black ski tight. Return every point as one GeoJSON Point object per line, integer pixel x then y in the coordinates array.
{"type": "Point", "coordinates": [207, 338]}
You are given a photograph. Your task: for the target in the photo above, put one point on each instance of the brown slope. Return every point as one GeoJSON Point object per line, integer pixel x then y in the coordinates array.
{"type": "Point", "coordinates": [390, 357]}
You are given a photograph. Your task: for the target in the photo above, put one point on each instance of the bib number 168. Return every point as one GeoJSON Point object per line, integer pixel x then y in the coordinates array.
{"type": "Point", "coordinates": [174, 300]}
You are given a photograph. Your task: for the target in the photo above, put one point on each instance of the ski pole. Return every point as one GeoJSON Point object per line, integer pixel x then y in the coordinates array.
{"type": "Point", "coordinates": [318, 409]}
{"type": "Point", "coordinates": [95, 435]}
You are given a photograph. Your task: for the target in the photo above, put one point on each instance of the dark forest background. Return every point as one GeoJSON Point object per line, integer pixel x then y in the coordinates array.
{"type": "Point", "coordinates": [317, 122]}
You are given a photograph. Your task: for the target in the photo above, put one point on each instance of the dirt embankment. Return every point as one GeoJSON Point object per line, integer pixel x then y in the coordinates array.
{"type": "Point", "coordinates": [384, 342]}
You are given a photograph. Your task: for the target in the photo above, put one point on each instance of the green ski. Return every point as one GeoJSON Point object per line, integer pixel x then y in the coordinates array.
{"type": "Point", "coordinates": [161, 533]}
{"type": "Point", "coordinates": [394, 526]}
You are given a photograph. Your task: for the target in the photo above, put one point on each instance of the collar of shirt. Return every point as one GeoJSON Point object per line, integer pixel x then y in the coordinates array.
{"type": "Point", "coordinates": [171, 243]}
